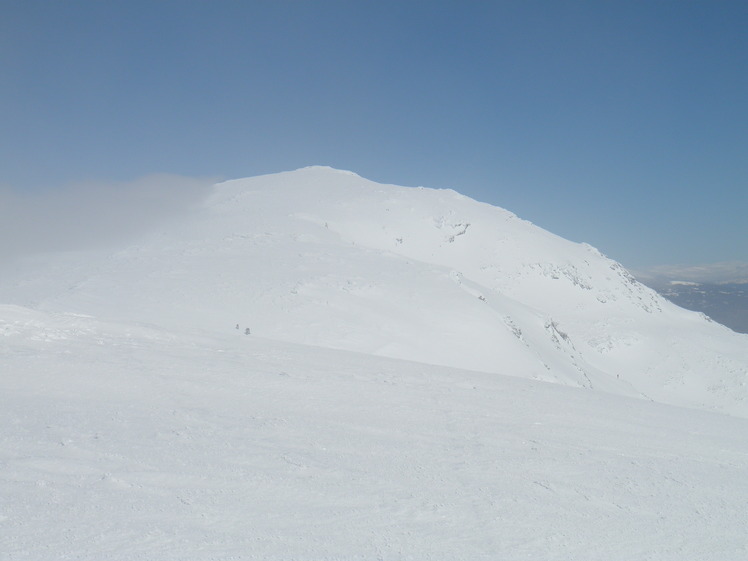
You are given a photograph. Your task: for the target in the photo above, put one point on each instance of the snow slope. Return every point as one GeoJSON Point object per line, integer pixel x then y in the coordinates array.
{"type": "Point", "coordinates": [326, 258]}
{"type": "Point", "coordinates": [125, 442]}
{"type": "Point", "coordinates": [418, 385]}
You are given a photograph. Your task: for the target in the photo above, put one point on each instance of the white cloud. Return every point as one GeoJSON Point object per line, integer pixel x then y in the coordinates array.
{"type": "Point", "coordinates": [91, 215]}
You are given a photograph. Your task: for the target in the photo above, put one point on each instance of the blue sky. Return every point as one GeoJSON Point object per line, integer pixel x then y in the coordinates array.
{"type": "Point", "coordinates": [622, 124]}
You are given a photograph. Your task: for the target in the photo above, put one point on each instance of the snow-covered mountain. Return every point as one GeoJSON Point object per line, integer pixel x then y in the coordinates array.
{"type": "Point", "coordinates": [420, 381]}
{"type": "Point", "coordinates": [326, 258]}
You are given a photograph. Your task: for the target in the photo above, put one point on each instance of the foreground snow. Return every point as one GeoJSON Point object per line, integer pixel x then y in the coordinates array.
{"type": "Point", "coordinates": [123, 442]}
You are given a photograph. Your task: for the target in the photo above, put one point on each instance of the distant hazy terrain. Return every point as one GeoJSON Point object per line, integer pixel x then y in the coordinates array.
{"type": "Point", "coordinates": [725, 303]}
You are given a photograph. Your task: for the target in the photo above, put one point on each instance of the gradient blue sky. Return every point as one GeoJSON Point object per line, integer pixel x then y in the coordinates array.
{"type": "Point", "coordinates": [622, 124]}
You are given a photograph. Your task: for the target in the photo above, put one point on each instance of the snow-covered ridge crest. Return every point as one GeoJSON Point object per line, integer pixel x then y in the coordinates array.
{"type": "Point", "coordinates": [327, 258]}
{"type": "Point", "coordinates": [179, 398]}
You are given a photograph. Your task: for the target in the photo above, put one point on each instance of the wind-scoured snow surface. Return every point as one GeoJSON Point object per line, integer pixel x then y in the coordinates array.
{"type": "Point", "coordinates": [391, 402]}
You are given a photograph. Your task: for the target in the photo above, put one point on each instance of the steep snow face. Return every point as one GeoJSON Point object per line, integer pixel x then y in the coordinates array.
{"type": "Point", "coordinates": [323, 257]}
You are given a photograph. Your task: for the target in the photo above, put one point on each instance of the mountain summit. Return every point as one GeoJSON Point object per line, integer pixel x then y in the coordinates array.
{"type": "Point", "coordinates": [310, 365]}
{"type": "Point", "coordinates": [327, 258]}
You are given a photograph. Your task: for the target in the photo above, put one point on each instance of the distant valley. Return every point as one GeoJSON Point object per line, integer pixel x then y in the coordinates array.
{"type": "Point", "coordinates": [725, 303]}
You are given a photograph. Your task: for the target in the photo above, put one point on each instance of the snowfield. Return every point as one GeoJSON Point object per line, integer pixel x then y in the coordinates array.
{"type": "Point", "coordinates": [427, 378]}
{"type": "Point", "coordinates": [127, 443]}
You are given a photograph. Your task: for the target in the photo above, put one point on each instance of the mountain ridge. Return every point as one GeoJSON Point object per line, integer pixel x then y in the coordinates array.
{"type": "Point", "coordinates": [324, 257]}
